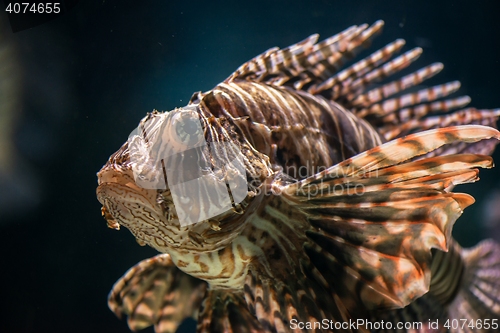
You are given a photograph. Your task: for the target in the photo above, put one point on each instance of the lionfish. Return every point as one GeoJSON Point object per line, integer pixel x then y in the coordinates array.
{"type": "Point", "coordinates": [302, 194]}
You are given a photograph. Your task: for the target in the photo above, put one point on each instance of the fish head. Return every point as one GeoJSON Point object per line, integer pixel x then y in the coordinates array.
{"type": "Point", "coordinates": [181, 180]}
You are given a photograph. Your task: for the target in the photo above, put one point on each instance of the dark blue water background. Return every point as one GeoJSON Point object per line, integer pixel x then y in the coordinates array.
{"type": "Point", "coordinates": [91, 75]}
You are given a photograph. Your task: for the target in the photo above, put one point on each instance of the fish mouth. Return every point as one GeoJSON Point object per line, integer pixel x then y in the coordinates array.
{"type": "Point", "coordinates": [143, 212]}
{"type": "Point", "coordinates": [126, 204]}
{"type": "Point", "coordinates": [109, 181]}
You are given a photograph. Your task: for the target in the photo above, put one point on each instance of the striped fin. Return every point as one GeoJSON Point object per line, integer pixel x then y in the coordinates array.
{"type": "Point", "coordinates": [446, 272]}
{"type": "Point", "coordinates": [424, 95]}
{"type": "Point", "coordinates": [307, 61]}
{"type": "Point", "coordinates": [389, 89]}
{"type": "Point", "coordinates": [376, 220]}
{"type": "Point", "coordinates": [464, 290]}
{"type": "Point", "coordinates": [479, 296]}
{"type": "Point", "coordinates": [467, 116]}
{"type": "Point", "coordinates": [317, 68]}
{"type": "Point", "coordinates": [338, 56]}
{"type": "Point", "coordinates": [360, 68]}
{"type": "Point", "coordinates": [375, 75]}
{"type": "Point", "coordinates": [403, 149]}
{"type": "Point", "coordinates": [281, 306]}
{"type": "Point", "coordinates": [415, 113]}
{"type": "Point", "coordinates": [155, 292]}
{"type": "Point", "coordinates": [225, 311]}
{"type": "Point", "coordinates": [424, 315]}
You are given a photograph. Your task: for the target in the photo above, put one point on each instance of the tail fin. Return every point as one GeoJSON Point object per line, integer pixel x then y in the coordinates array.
{"type": "Point", "coordinates": [478, 300]}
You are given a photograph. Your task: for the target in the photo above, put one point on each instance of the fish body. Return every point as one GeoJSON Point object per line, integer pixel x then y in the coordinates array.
{"type": "Point", "coordinates": [296, 192]}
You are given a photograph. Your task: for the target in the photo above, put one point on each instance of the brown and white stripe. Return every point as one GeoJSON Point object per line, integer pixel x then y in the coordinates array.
{"type": "Point", "coordinates": [303, 123]}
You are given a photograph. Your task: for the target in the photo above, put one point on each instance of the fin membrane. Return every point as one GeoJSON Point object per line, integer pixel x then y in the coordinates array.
{"type": "Point", "coordinates": [394, 107]}
{"type": "Point", "coordinates": [307, 61]}
{"type": "Point", "coordinates": [424, 315]}
{"type": "Point", "coordinates": [429, 312]}
{"type": "Point", "coordinates": [464, 295]}
{"type": "Point", "coordinates": [479, 296]}
{"type": "Point", "coordinates": [376, 220]}
{"type": "Point", "coordinates": [299, 304]}
{"type": "Point", "coordinates": [155, 292]}
{"type": "Point", "coordinates": [224, 311]}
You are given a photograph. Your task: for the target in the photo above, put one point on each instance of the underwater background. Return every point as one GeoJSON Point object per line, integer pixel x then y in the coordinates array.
{"type": "Point", "coordinates": [72, 89]}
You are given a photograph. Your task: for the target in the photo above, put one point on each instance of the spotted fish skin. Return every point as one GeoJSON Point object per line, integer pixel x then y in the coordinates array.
{"type": "Point", "coordinates": [341, 208]}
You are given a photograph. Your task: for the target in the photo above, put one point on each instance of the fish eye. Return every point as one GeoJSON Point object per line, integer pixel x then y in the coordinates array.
{"type": "Point", "coordinates": [187, 128]}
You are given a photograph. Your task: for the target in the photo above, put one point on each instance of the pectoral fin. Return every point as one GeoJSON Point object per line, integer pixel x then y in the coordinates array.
{"type": "Point", "coordinates": [155, 292]}
{"type": "Point", "coordinates": [375, 220]}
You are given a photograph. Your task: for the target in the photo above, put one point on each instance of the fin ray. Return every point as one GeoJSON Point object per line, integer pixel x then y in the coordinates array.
{"type": "Point", "coordinates": [479, 297]}
{"type": "Point", "coordinates": [383, 222]}
{"type": "Point", "coordinates": [156, 292]}
{"type": "Point", "coordinates": [225, 311]}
